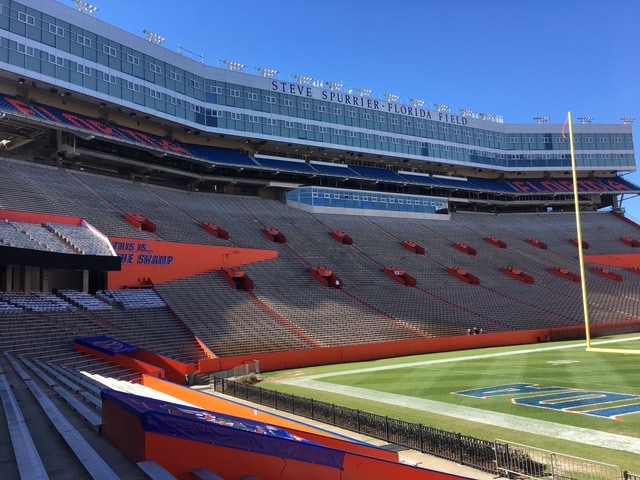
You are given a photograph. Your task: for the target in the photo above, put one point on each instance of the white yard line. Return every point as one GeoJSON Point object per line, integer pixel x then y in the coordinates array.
{"type": "Point", "coordinates": [463, 359]}
{"type": "Point", "coordinates": [513, 422]}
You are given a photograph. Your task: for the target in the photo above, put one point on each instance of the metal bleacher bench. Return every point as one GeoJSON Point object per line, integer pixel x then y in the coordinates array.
{"type": "Point", "coordinates": [205, 474]}
{"type": "Point", "coordinates": [90, 415]}
{"type": "Point", "coordinates": [27, 457]}
{"type": "Point", "coordinates": [90, 459]}
{"type": "Point", "coordinates": [154, 470]}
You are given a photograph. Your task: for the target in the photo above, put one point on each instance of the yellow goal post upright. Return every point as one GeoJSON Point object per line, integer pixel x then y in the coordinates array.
{"type": "Point", "coordinates": [583, 283]}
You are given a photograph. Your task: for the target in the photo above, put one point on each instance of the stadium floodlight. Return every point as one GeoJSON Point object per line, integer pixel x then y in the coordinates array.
{"type": "Point", "coordinates": [628, 120]}
{"type": "Point", "coordinates": [334, 85]}
{"type": "Point", "coordinates": [541, 119]}
{"type": "Point", "coordinates": [391, 97]}
{"type": "Point", "coordinates": [441, 107]}
{"type": "Point", "coordinates": [303, 79]}
{"type": "Point", "coordinates": [584, 120]}
{"type": "Point", "coordinates": [153, 37]}
{"type": "Point", "coordinates": [416, 102]}
{"type": "Point", "coordinates": [364, 92]}
{"type": "Point", "coordinates": [85, 7]}
{"type": "Point", "coordinates": [487, 116]}
{"type": "Point", "coordinates": [267, 72]}
{"type": "Point", "coordinates": [467, 113]}
{"type": "Point", "coordinates": [234, 66]}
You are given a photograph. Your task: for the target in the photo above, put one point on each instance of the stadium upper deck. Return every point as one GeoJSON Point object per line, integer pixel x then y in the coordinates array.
{"type": "Point", "coordinates": [54, 55]}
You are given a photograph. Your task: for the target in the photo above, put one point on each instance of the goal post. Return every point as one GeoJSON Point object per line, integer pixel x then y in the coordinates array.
{"type": "Point", "coordinates": [583, 283]}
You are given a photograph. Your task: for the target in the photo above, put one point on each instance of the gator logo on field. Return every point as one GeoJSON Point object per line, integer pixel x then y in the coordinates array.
{"type": "Point", "coordinates": [562, 399]}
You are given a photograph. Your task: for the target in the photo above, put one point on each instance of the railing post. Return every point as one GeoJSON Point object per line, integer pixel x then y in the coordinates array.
{"type": "Point", "coordinates": [421, 435]}
{"type": "Point", "coordinates": [386, 428]}
{"type": "Point", "coordinates": [508, 455]}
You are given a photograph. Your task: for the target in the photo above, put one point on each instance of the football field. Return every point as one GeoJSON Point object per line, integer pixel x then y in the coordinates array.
{"type": "Point", "coordinates": [554, 396]}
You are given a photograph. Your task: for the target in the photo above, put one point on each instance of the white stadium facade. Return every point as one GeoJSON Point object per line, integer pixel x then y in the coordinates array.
{"type": "Point", "coordinates": [244, 131]}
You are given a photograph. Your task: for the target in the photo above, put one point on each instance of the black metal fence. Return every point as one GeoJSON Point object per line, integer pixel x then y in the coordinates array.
{"type": "Point", "coordinates": [456, 447]}
{"type": "Point", "coordinates": [474, 452]}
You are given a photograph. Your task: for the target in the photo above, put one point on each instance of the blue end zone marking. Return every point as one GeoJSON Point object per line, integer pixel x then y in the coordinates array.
{"type": "Point", "coordinates": [614, 412]}
{"type": "Point", "coordinates": [508, 389]}
{"type": "Point", "coordinates": [572, 399]}
{"type": "Point", "coordinates": [560, 399]}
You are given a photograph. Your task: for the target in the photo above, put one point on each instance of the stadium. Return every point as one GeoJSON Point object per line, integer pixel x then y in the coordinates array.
{"type": "Point", "coordinates": [167, 225]}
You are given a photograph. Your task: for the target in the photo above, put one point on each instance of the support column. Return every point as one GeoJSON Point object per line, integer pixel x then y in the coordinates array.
{"type": "Point", "coordinates": [85, 281]}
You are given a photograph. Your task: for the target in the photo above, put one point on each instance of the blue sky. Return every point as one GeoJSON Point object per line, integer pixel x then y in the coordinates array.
{"type": "Point", "coordinates": [514, 58]}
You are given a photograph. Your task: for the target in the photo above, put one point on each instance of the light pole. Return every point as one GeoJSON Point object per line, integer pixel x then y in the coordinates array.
{"type": "Point", "coordinates": [234, 66]}
{"type": "Point", "coordinates": [153, 37]}
{"type": "Point", "coordinates": [85, 7]}
{"type": "Point", "coordinates": [267, 72]}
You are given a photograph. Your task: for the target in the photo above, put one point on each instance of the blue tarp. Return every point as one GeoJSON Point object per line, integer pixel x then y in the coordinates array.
{"type": "Point", "coordinates": [191, 423]}
{"type": "Point", "coordinates": [107, 345]}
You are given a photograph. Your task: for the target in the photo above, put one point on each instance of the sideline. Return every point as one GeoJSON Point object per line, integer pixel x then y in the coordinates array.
{"type": "Point", "coordinates": [513, 422]}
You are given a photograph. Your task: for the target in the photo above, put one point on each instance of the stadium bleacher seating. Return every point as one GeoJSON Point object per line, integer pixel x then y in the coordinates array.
{"type": "Point", "coordinates": [240, 160]}
{"type": "Point", "coordinates": [222, 156]}
{"type": "Point", "coordinates": [287, 302]}
{"type": "Point", "coordinates": [285, 165]}
{"type": "Point", "coordinates": [84, 300]}
{"type": "Point", "coordinates": [333, 170]}
{"type": "Point", "coordinates": [28, 460]}
{"type": "Point", "coordinates": [132, 299]}
{"type": "Point", "coordinates": [36, 301]}
{"type": "Point", "coordinates": [33, 236]}
{"type": "Point", "coordinates": [428, 309]}
{"type": "Point", "coordinates": [377, 174]}
{"type": "Point", "coordinates": [82, 239]}
{"type": "Point", "coordinates": [92, 461]}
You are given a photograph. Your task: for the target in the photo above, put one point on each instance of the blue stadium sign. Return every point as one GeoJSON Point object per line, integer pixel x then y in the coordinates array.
{"type": "Point", "coordinates": [562, 399]}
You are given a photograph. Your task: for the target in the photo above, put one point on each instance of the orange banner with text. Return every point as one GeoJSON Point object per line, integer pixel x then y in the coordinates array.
{"type": "Point", "coordinates": [158, 261]}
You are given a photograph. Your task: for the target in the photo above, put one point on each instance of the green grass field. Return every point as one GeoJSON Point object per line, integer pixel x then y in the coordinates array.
{"type": "Point", "coordinates": [434, 377]}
